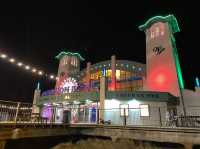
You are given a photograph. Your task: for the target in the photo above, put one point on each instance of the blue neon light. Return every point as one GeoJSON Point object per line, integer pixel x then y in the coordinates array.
{"type": "Point", "coordinates": [197, 82]}
{"type": "Point", "coordinates": [104, 72]}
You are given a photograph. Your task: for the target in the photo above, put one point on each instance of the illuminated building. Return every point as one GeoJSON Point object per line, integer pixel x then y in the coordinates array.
{"type": "Point", "coordinates": [114, 85]}
{"type": "Point", "coordinates": [163, 68]}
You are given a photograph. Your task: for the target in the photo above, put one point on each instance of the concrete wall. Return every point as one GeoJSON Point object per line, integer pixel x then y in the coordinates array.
{"type": "Point", "coordinates": [113, 112]}
{"type": "Point", "coordinates": [192, 101]}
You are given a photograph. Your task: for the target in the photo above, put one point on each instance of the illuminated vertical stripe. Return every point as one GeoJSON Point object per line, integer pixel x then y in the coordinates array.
{"type": "Point", "coordinates": [197, 82]}
{"type": "Point", "coordinates": [104, 72]}
{"type": "Point", "coordinates": [38, 85]}
{"type": "Point", "coordinates": [177, 63]}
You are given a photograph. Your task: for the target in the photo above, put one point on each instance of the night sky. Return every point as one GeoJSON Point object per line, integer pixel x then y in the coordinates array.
{"type": "Point", "coordinates": [96, 31]}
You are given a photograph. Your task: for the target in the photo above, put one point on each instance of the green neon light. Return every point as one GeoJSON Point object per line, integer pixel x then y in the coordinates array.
{"type": "Point", "coordinates": [63, 53]}
{"type": "Point", "coordinates": [169, 18]}
{"type": "Point", "coordinates": [177, 63]}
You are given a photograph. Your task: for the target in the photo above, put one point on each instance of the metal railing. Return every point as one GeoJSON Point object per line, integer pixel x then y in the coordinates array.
{"type": "Point", "coordinates": [11, 112]}
{"type": "Point", "coordinates": [18, 112]}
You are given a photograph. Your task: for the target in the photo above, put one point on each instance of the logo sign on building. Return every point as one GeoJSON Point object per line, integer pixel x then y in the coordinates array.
{"type": "Point", "coordinates": [117, 95]}
{"type": "Point", "coordinates": [158, 50]}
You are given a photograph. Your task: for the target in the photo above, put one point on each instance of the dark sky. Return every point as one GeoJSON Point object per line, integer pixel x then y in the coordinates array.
{"type": "Point", "coordinates": [96, 30]}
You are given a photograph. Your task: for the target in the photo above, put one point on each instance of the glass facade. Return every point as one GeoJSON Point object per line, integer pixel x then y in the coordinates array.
{"type": "Point", "coordinates": [125, 80]}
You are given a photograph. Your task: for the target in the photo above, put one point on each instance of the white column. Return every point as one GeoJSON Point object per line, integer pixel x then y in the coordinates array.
{"type": "Point", "coordinates": [88, 74]}
{"type": "Point", "coordinates": [102, 97]}
{"type": "Point", "coordinates": [113, 73]}
{"type": "Point", "coordinates": [35, 108]}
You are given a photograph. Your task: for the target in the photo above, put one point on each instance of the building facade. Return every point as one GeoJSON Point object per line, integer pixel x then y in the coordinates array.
{"type": "Point", "coordinates": [115, 89]}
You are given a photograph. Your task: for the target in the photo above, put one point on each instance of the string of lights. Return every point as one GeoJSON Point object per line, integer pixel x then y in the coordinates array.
{"type": "Point", "coordinates": [14, 107]}
{"type": "Point", "coordinates": [27, 67]}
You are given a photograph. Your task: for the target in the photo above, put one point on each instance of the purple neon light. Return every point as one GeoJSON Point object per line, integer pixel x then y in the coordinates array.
{"type": "Point", "coordinates": [47, 112]}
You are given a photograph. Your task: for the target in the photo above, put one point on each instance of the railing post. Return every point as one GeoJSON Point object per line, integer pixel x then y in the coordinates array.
{"type": "Point", "coordinates": [53, 117]}
{"type": "Point", "coordinates": [160, 118]}
{"type": "Point", "coordinates": [98, 116]}
{"type": "Point", "coordinates": [17, 111]}
{"type": "Point", "coordinates": [124, 117]}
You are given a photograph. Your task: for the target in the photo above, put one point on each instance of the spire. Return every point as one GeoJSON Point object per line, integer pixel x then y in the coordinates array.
{"type": "Point", "coordinates": [38, 86]}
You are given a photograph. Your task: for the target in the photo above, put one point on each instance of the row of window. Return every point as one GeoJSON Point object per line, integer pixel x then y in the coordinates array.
{"type": "Point", "coordinates": [122, 65]}
{"type": "Point", "coordinates": [157, 30]}
{"type": "Point", "coordinates": [71, 60]}
{"type": "Point", "coordinates": [143, 109]}
{"type": "Point", "coordinates": [156, 33]}
{"type": "Point", "coordinates": [120, 74]}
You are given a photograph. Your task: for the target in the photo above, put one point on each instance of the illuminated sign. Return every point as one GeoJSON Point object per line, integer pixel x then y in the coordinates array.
{"type": "Point", "coordinates": [132, 95]}
{"type": "Point", "coordinates": [69, 84]}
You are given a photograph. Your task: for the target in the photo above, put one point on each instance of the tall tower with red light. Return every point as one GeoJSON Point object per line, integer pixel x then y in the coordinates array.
{"type": "Point", "coordinates": [162, 62]}
{"type": "Point", "coordinates": [69, 66]}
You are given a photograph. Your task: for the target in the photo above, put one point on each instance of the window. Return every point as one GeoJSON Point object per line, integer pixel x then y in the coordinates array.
{"type": "Point", "coordinates": [64, 61]}
{"type": "Point", "coordinates": [72, 61]}
{"type": "Point", "coordinates": [75, 62]}
{"type": "Point", "coordinates": [122, 111]}
{"type": "Point", "coordinates": [157, 31]}
{"type": "Point", "coordinates": [118, 74]}
{"type": "Point", "coordinates": [152, 34]}
{"type": "Point", "coordinates": [128, 75]}
{"type": "Point", "coordinates": [144, 110]}
{"type": "Point", "coordinates": [162, 28]}
{"type": "Point", "coordinates": [92, 76]}
{"type": "Point", "coordinates": [108, 73]}
{"type": "Point", "coordinates": [122, 75]}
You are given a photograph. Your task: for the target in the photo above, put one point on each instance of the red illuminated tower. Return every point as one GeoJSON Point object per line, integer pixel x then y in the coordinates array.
{"type": "Point", "coordinates": [163, 68]}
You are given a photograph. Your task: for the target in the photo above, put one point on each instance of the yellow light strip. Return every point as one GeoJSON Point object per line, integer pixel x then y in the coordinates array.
{"type": "Point", "coordinates": [12, 60]}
